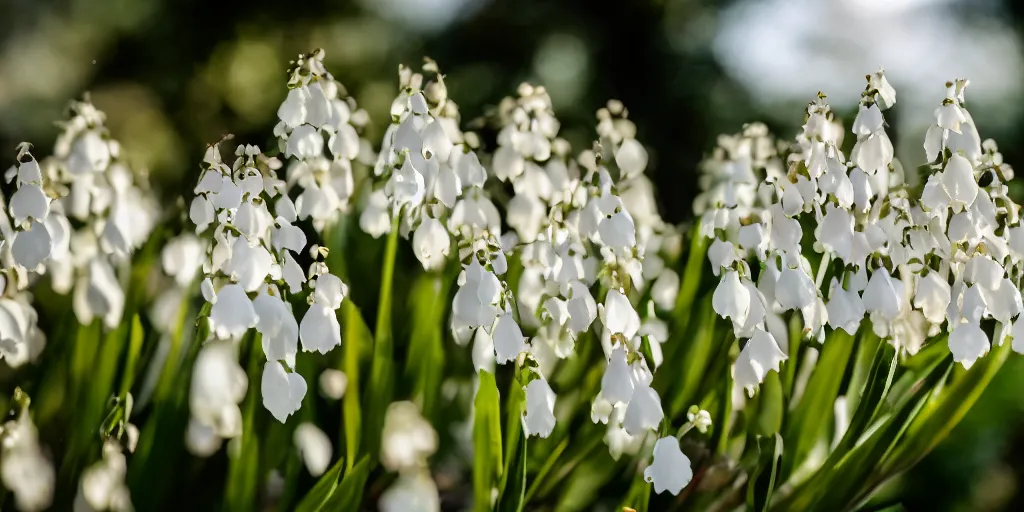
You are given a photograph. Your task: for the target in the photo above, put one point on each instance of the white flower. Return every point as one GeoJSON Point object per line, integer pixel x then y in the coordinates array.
{"type": "Point", "coordinates": [508, 338]}
{"type": "Point", "coordinates": [232, 314]}
{"type": "Point", "coordinates": [407, 439]}
{"type": "Point", "coordinates": [319, 330]}
{"type": "Point", "coordinates": [305, 142]}
{"type": "Point", "coordinates": [631, 157]}
{"type": "Point", "coordinates": [29, 202]}
{"type": "Point", "coordinates": [845, 308]}
{"type": "Point", "coordinates": [617, 382]}
{"type": "Point", "coordinates": [618, 315]}
{"type": "Point", "coordinates": [103, 484]}
{"type": "Point", "coordinates": [475, 303]}
{"type": "Point", "coordinates": [314, 447]}
{"type": "Point", "coordinates": [282, 391]}
{"type": "Point", "coordinates": [182, 257]}
{"type": "Point", "coordinates": [957, 180]}
{"type": "Point", "coordinates": [700, 419]}
{"type": "Point", "coordinates": [932, 297]}
{"type": "Point", "coordinates": [411, 492]}
{"type": "Point", "coordinates": [795, 289]}
{"type": "Point", "coordinates": [644, 411]}
{"type": "Point", "coordinates": [670, 471]}
{"type": "Point", "coordinates": [32, 246]}
{"type": "Point", "coordinates": [99, 294]}
{"type": "Point", "coordinates": [218, 385]}
{"type": "Point", "coordinates": [884, 294]}
{"type": "Point", "coordinates": [333, 383]}
{"type": "Point", "coordinates": [406, 186]}
{"type": "Point", "coordinates": [760, 354]}
{"type": "Point", "coordinates": [968, 342]}
{"type": "Point", "coordinates": [278, 326]}
{"type": "Point", "coordinates": [539, 419]}
{"type": "Point", "coordinates": [731, 299]}
{"type": "Point", "coordinates": [23, 467]}
{"type": "Point", "coordinates": [431, 243]}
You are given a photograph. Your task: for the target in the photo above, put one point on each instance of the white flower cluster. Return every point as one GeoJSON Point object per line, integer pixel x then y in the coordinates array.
{"type": "Point", "coordinates": [24, 469]}
{"type": "Point", "coordinates": [86, 182]}
{"type": "Point", "coordinates": [103, 484]}
{"type": "Point", "coordinates": [917, 262]}
{"type": "Point", "coordinates": [250, 271]}
{"type": "Point", "coordinates": [113, 207]}
{"type": "Point", "coordinates": [407, 440]}
{"type": "Point", "coordinates": [318, 105]}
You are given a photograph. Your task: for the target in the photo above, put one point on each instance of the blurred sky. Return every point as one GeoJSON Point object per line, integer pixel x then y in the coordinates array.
{"type": "Point", "coordinates": [173, 75]}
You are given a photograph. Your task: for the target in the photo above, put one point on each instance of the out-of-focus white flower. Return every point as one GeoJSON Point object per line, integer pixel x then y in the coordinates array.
{"type": "Point", "coordinates": [24, 470]}
{"type": "Point", "coordinates": [333, 383]}
{"type": "Point", "coordinates": [407, 439]}
{"type": "Point", "coordinates": [314, 447]}
{"type": "Point", "coordinates": [103, 484]}
{"type": "Point", "coordinates": [411, 492]}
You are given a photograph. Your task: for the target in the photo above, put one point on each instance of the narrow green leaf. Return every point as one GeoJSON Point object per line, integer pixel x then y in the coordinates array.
{"type": "Point", "coordinates": [513, 498]}
{"type": "Point", "coordinates": [322, 490]}
{"type": "Point", "coordinates": [349, 494]}
{"type": "Point", "coordinates": [813, 414]}
{"type": "Point", "coordinates": [426, 357]}
{"type": "Point", "coordinates": [771, 406]}
{"type": "Point", "coordinates": [871, 400]}
{"type": "Point", "coordinates": [379, 392]}
{"type": "Point", "coordinates": [513, 431]}
{"type": "Point", "coordinates": [939, 417]}
{"type": "Point", "coordinates": [763, 480]}
{"type": "Point", "coordinates": [134, 347]}
{"type": "Point", "coordinates": [357, 335]}
{"type": "Point", "coordinates": [487, 464]}
{"type": "Point", "coordinates": [695, 360]}
{"type": "Point", "coordinates": [243, 466]}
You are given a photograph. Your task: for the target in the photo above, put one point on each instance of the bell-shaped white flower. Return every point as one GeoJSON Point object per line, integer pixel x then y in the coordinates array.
{"type": "Point", "coordinates": [617, 383]}
{"type": "Point", "coordinates": [475, 303]}
{"type": "Point", "coordinates": [644, 411]}
{"type": "Point", "coordinates": [539, 419]}
{"type": "Point", "coordinates": [968, 342]}
{"type": "Point", "coordinates": [845, 308]}
{"type": "Point", "coordinates": [319, 330]}
{"type": "Point", "coordinates": [795, 289]}
{"type": "Point", "coordinates": [329, 290]}
{"type": "Point", "coordinates": [248, 265]}
{"type": "Point", "coordinates": [948, 116]}
{"type": "Point", "coordinates": [99, 294]}
{"type": "Point", "coordinates": [280, 331]}
{"type": "Point", "coordinates": [431, 243]}
{"type": "Point", "coordinates": [670, 471]}
{"type": "Point", "coordinates": [760, 354]}
{"type": "Point", "coordinates": [884, 294]}
{"type": "Point", "coordinates": [957, 180]}
{"type": "Point", "coordinates": [233, 313]}
{"type": "Point", "coordinates": [29, 202]}
{"type": "Point", "coordinates": [508, 338]}
{"type": "Point", "coordinates": [731, 299]}
{"type": "Point", "coordinates": [932, 297]}
{"type": "Point", "coordinates": [618, 315]}
{"type": "Point", "coordinates": [32, 246]}
{"type": "Point", "coordinates": [314, 447]}
{"type": "Point", "coordinates": [282, 391]}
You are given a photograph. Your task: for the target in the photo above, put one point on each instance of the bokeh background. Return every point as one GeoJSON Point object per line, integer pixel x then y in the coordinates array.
{"type": "Point", "coordinates": [173, 75]}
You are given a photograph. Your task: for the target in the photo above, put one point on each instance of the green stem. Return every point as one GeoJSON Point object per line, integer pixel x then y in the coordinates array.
{"type": "Point", "coordinates": [379, 392]}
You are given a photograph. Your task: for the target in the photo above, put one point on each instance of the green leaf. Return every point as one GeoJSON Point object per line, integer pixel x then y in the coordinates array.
{"type": "Point", "coordinates": [379, 392]}
{"type": "Point", "coordinates": [357, 335]}
{"type": "Point", "coordinates": [487, 464]}
{"type": "Point", "coordinates": [694, 363]}
{"type": "Point", "coordinates": [349, 494]}
{"type": "Point", "coordinates": [763, 480]}
{"type": "Point", "coordinates": [134, 347]}
{"type": "Point", "coordinates": [513, 430]}
{"type": "Point", "coordinates": [872, 399]}
{"type": "Point", "coordinates": [513, 499]}
{"type": "Point", "coordinates": [322, 490]}
{"type": "Point", "coordinates": [426, 357]}
{"type": "Point", "coordinates": [939, 417]}
{"type": "Point", "coordinates": [770, 406]}
{"type": "Point", "coordinates": [244, 465]}
{"type": "Point", "coordinates": [809, 421]}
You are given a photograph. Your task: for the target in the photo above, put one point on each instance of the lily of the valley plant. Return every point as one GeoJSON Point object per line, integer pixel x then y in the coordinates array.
{"type": "Point", "coordinates": [494, 320]}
